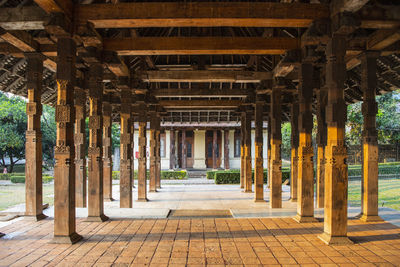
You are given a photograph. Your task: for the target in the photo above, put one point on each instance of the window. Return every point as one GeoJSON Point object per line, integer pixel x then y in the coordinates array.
{"type": "Point", "coordinates": [209, 150]}
{"type": "Point", "coordinates": [162, 145]}
{"type": "Point", "coordinates": [188, 149]}
{"type": "Point", "coordinates": [237, 144]}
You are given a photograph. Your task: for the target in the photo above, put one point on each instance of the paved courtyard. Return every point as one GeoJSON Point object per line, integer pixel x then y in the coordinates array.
{"type": "Point", "coordinates": [199, 242]}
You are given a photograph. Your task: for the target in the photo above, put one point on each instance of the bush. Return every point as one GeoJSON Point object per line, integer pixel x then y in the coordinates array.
{"type": "Point", "coordinates": [47, 179]}
{"type": "Point", "coordinates": [115, 175]}
{"type": "Point", "coordinates": [5, 176]}
{"type": "Point", "coordinates": [169, 175]}
{"type": "Point", "coordinates": [383, 169]}
{"type": "Point", "coordinates": [211, 175]}
{"type": "Point", "coordinates": [233, 176]}
{"type": "Point", "coordinates": [18, 179]}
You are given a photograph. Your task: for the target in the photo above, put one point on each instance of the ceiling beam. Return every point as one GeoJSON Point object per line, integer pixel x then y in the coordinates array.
{"type": "Point", "coordinates": [56, 6]}
{"type": "Point", "coordinates": [192, 104]}
{"type": "Point", "coordinates": [179, 92]}
{"type": "Point", "coordinates": [205, 76]}
{"type": "Point", "coordinates": [203, 14]}
{"type": "Point", "coordinates": [200, 45]}
{"type": "Point", "coordinates": [24, 18]}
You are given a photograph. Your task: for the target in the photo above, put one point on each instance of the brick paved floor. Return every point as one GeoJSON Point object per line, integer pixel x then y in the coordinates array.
{"type": "Point", "coordinates": [197, 242]}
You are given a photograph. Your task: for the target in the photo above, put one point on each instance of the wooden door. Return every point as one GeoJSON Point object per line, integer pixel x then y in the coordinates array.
{"type": "Point", "coordinates": [189, 149]}
{"type": "Point", "coordinates": [209, 148]}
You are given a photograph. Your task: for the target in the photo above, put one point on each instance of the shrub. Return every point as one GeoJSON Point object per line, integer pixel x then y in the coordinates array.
{"type": "Point", "coordinates": [169, 175]}
{"type": "Point", "coordinates": [5, 176]}
{"type": "Point", "coordinates": [233, 176]}
{"type": "Point", "coordinates": [211, 174]}
{"type": "Point", "coordinates": [383, 169]}
{"type": "Point", "coordinates": [18, 179]}
{"type": "Point", "coordinates": [115, 175]}
{"type": "Point", "coordinates": [47, 179]}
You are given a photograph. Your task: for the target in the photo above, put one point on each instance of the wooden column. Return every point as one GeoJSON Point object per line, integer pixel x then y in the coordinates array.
{"type": "Point", "coordinates": [214, 149]}
{"type": "Point", "coordinates": [259, 159]}
{"type": "Point", "coordinates": [183, 159]}
{"type": "Point", "coordinates": [369, 203]}
{"type": "Point", "coordinates": [269, 167]}
{"type": "Point", "coordinates": [64, 151]}
{"type": "Point", "coordinates": [248, 183]}
{"type": "Point", "coordinates": [276, 141]}
{"type": "Point", "coordinates": [322, 95]}
{"type": "Point", "coordinates": [158, 155]}
{"type": "Point", "coordinates": [95, 149]}
{"type": "Point", "coordinates": [172, 158]}
{"type": "Point", "coordinates": [107, 150]}
{"type": "Point", "coordinates": [33, 145]}
{"type": "Point", "coordinates": [294, 158]}
{"type": "Point", "coordinates": [142, 168]}
{"type": "Point", "coordinates": [133, 149]}
{"type": "Point", "coordinates": [305, 185]}
{"type": "Point", "coordinates": [80, 148]}
{"type": "Point", "coordinates": [242, 134]}
{"type": "Point", "coordinates": [125, 183]}
{"type": "Point", "coordinates": [153, 148]}
{"type": "Point", "coordinates": [226, 149]}
{"type": "Point", "coordinates": [336, 176]}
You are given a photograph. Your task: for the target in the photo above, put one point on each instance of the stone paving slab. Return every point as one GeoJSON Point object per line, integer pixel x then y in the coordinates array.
{"type": "Point", "coordinates": [199, 242]}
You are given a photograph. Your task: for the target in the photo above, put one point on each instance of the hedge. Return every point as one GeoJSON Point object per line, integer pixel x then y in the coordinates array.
{"type": "Point", "coordinates": [165, 175]}
{"type": "Point", "coordinates": [233, 176]}
{"type": "Point", "coordinates": [211, 175]}
{"type": "Point", "coordinates": [382, 170]}
{"type": "Point", "coordinates": [20, 179]}
{"type": "Point", "coordinates": [5, 176]}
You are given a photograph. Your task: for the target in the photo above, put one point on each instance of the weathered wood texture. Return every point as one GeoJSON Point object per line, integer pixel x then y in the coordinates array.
{"type": "Point", "coordinates": [242, 163]}
{"type": "Point", "coordinates": [269, 167]}
{"type": "Point", "coordinates": [226, 149]}
{"type": "Point", "coordinates": [126, 150]}
{"type": "Point", "coordinates": [172, 152]}
{"type": "Point", "coordinates": [158, 152]}
{"type": "Point", "coordinates": [142, 181]}
{"type": "Point", "coordinates": [369, 201]}
{"type": "Point", "coordinates": [64, 151]}
{"type": "Point", "coordinates": [305, 184]}
{"type": "Point", "coordinates": [207, 14]}
{"type": "Point", "coordinates": [33, 145]}
{"type": "Point", "coordinates": [248, 183]}
{"type": "Point", "coordinates": [276, 141]}
{"type": "Point", "coordinates": [153, 151]}
{"type": "Point", "coordinates": [80, 148]}
{"type": "Point", "coordinates": [258, 154]}
{"type": "Point", "coordinates": [336, 176]}
{"type": "Point", "coordinates": [95, 149]}
{"type": "Point", "coordinates": [294, 157]}
{"type": "Point", "coordinates": [107, 150]}
{"type": "Point", "coordinates": [321, 143]}
{"type": "Point", "coordinates": [201, 45]}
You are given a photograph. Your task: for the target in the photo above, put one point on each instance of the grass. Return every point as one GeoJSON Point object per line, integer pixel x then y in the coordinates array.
{"type": "Point", "coordinates": [14, 194]}
{"type": "Point", "coordinates": [389, 193]}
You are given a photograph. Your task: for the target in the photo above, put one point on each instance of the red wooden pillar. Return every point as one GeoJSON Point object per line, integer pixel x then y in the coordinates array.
{"type": "Point", "coordinates": [95, 149]}
{"type": "Point", "coordinates": [33, 145]}
{"type": "Point", "coordinates": [64, 151]}
{"type": "Point", "coordinates": [80, 148]}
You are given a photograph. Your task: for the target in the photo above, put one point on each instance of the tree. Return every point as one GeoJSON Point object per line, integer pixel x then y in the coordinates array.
{"type": "Point", "coordinates": [12, 130]}
{"type": "Point", "coordinates": [49, 133]}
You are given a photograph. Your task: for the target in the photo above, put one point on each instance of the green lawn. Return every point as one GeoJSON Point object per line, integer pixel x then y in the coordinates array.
{"type": "Point", "coordinates": [389, 193]}
{"type": "Point", "coordinates": [14, 194]}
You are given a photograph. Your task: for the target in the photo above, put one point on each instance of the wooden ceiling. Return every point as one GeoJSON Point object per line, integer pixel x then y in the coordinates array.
{"type": "Point", "coordinates": [198, 61]}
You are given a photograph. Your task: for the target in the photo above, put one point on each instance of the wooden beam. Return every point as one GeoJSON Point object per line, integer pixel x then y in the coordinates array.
{"type": "Point", "coordinates": [207, 14]}
{"type": "Point", "coordinates": [200, 45]}
{"type": "Point", "coordinates": [56, 6]}
{"type": "Point", "coordinates": [20, 39]}
{"type": "Point", "coordinates": [179, 92]}
{"type": "Point", "coordinates": [204, 76]}
{"type": "Point", "coordinates": [169, 104]}
{"type": "Point", "coordinates": [24, 18]}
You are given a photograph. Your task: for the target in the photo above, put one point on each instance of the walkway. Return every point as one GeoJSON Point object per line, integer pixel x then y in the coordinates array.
{"type": "Point", "coordinates": [196, 242]}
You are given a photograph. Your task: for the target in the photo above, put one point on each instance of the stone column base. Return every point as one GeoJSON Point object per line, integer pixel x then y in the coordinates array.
{"type": "Point", "coordinates": [335, 240]}
{"type": "Point", "coordinates": [36, 217]}
{"type": "Point", "coordinates": [370, 218]}
{"type": "Point", "coordinates": [304, 219]}
{"type": "Point", "coordinates": [101, 218]}
{"type": "Point", "coordinates": [71, 239]}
